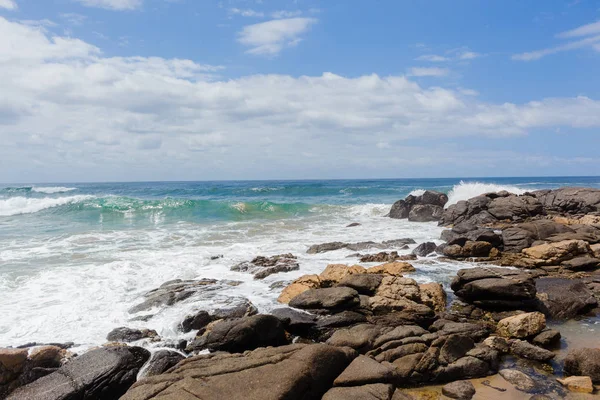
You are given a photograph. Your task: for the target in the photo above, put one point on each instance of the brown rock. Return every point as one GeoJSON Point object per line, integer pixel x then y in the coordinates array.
{"type": "Point", "coordinates": [364, 370]}
{"type": "Point", "coordinates": [298, 286]}
{"type": "Point", "coordinates": [433, 295]}
{"type": "Point", "coordinates": [584, 362]}
{"type": "Point", "coordinates": [334, 273]}
{"type": "Point", "coordinates": [554, 253]}
{"type": "Point", "coordinates": [392, 268]}
{"type": "Point", "coordinates": [377, 391]}
{"type": "Point", "coordinates": [522, 325]}
{"type": "Point", "coordinates": [13, 359]}
{"type": "Point", "coordinates": [578, 384]}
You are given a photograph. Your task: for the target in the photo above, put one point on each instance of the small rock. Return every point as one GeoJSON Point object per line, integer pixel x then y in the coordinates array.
{"type": "Point", "coordinates": [547, 338]}
{"type": "Point", "coordinates": [196, 322]}
{"type": "Point", "coordinates": [518, 379]}
{"type": "Point", "coordinates": [127, 335]}
{"type": "Point", "coordinates": [578, 384]}
{"type": "Point", "coordinates": [424, 249]}
{"type": "Point", "coordinates": [161, 361]}
{"type": "Point", "coordinates": [364, 370]}
{"type": "Point", "coordinates": [524, 349]}
{"type": "Point", "coordinates": [462, 390]}
{"type": "Point", "coordinates": [352, 225]}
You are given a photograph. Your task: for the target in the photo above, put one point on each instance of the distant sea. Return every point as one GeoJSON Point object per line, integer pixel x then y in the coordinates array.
{"type": "Point", "coordinates": [75, 257]}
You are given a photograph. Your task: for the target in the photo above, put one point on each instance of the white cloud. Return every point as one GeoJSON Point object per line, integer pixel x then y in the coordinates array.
{"type": "Point", "coordinates": [469, 55]}
{"type": "Point", "coordinates": [84, 116]}
{"type": "Point", "coordinates": [112, 4]}
{"type": "Point", "coordinates": [585, 30]}
{"type": "Point", "coordinates": [428, 71]}
{"type": "Point", "coordinates": [592, 31]}
{"type": "Point", "coordinates": [273, 36]}
{"type": "Point", "coordinates": [8, 4]}
{"type": "Point", "coordinates": [286, 14]}
{"type": "Point", "coordinates": [432, 58]}
{"type": "Point", "coordinates": [74, 18]}
{"type": "Point", "coordinates": [246, 13]}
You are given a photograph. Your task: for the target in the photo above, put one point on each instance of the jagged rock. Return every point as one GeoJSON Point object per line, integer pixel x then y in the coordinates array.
{"type": "Point", "coordinates": [294, 321]}
{"type": "Point", "coordinates": [469, 249]}
{"type": "Point", "coordinates": [402, 208]}
{"type": "Point", "coordinates": [376, 391]}
{"type": "Point", "coordinates": [462, 390]}
{"type": "Point", "coordinates": [425, 213]}
{"type": "Point", "coordinates": [570, 200]}
{"type": "Point", "coordinates": [455, 347]}
{"type": "Point", "coordinates": [364, 370]}
{"type": "Point", "coordinates": [522, 326]}
{"type": "Point", "coordinates": [564, 298]}
{"type": "Point", "coordinates": [518, 379]}
{"type": "Point", "coordinates": [292, 372]}
{"type": "Point", "coordinates": [299, 286]}
{"type": "Point", "coordinates": [197, 321]}
{"type": "Point", "coordinates": [527, 350]}
{"type": "Point", "coordinates": [172, 292]}
{"type": "Point", "coordinates": [161, 361]}
{"type": "Point", "coordinates": [396, 268]}
{"type": "Point", "coordinates": [547, 339]}
{"type": "Point", "coordinates": [424, 249]}
{"type": "Point", "coordinates": [327, 298]}
{"type": "Point", "coordinates": [365, 284]}
{"type": "Point", "coordinates": [584, 362]}
{"type": "Point", "coordinates": [433, 295]}
{"type": "Point", "coordinates": [498, 343]}
{"type": "Point", "coordinates": [578, 384]}
{"type": "Point", "coordinates": [248, 333]}
{"type": "Point", "coordinates": [261, 266]}
{"type": "Point", "coordinates": [494, 287]}
{"type": "Point", "coordinates": [397, 294]}
{"type": "Point", "coordinates": [127, 335]}
{"type": "Point", "coordinates": [104, 373]}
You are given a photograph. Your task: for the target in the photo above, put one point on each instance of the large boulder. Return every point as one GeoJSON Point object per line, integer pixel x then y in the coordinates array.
{"type": "Point", "coordinates": [461, 390]}
{"type": "Point", "coordinates": [424, 249]}
{"type": "Point", "coordinates": [336, 298]}
{"type": "Point", "coordinates": [161, 361]}
{"type": "Point", "coordinates": [298, 286]}
{"type": "Point", "coordinates": [495, 287]}
{"type": "Point", "coordinates": [290, 372]}
{"type": "Point", "coordinates": [426, 207]}
{"type": "Point", "coordinates": [584, 362]}
{"type": "Point", "coordinates": [249, 333]}
{"type": "Point", "coordinates": [520, 236]}
{"type": "Point", "coordinates": [522, 326]}
{"type": "Point", "coordinates": [570, 200]}
{"type": "Point", "coordinates": [555, 253]}
{"type": "Point", "coordinates": [104, 373]}
{"type": "Point", "coordinates": [564, 298]}
{"type": "Point", "coordinates": [425, 213]}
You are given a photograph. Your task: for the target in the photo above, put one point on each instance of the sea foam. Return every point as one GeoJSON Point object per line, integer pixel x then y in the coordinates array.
{"type": "Point", "coordinates": [52, 189]}
{"type": "Point", "coordinates": [25, 205]}
{"type": "Point", "coordinates": [467, 190]}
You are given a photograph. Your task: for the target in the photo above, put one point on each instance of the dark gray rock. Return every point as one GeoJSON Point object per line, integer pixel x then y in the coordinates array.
{"type": "Point", "coordinates": [527, 350]}
{"type": "Point", "coordinates": [582, 263]}
{"type": "Point", "coordinates": [295, 322]}
{"type": "Point", "coordinates": [571, 200]}
{"type": "Point", "coordinates": [327, 298]}
{"type": "Point", "coordinates": [462, 390]}
{"type": "Point", "coordinates": [127, 335]}
{"type": "Point", "coordinates": [521, 236]}
{"type": "Point", "coordinates": [547, 339]}
{"type": "Point", "coordinates": [564, 298]}
{"type": "Point", "coordinates": [161, 361]}
{"type": "Point", "coordinates": [424, 249]}
{"type": "Point", "coordinates": [261, 266]}
{"type": "Point", "coordinates": [425, 213]}
{"type": "Point", "coordinates": [325, 247]}
{"type": "Point", "coordinates": [241, 308]}
{"type": "Point", "coordinates": [102, 374]}
{"type": "Point", "coordinates": [584, 362]}
{"type": "Point", "coordinates": [197, 321]}
{"type": "Point", "coordinates": [518, 379]}
{"type": "Point", "coordinates": [364, 370]}
{"type": "Point", "coordinates": [455, 347]}
{"type": "Point", "coordinates": [434, 202]}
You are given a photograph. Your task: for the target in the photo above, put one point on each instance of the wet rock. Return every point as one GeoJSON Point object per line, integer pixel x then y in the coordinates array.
{"type": "Point", "coordinates": [364, 370]}
{"type": "Point", "coordinates": [386, 257]}
{"type": "Point", "coordinates": [104, 373]}
{"type": "Point", "coordinates": [327, 298]}
{"type": "Point", "coordinates": [424, 249]}
{"type": "Point", "coordinates": [197, 321]}
{"type": "Point", "coordinates": [396, 268]}
{"type": "Point", "coordinates": [365, 284]}
{"type": "Point", "coordinates": [376, 391]}
{"type": "Point", "coordinates": [498, 343]}
{"type": "Point", "coordinates": [522, 326]}
{"type": "Point", "coordinates": [295, 322]}
{"type": "Point", "coordinates": [178, 290]}
{"type": "Point", "coordinates": [462, 390]}
{"type": "Point", "coordinates": [240, 308]}
{"type": "Point", "coordinates": [402, 208]}
{"type": "Point", "coordinates": [291, 372]}
{"type": "Point", "coordinates": [425, 213]}
{"type": "Point", "coordinates": [332, 246]}
{"type": "Point", "coordinates": [353, 225]}
{"type": "Point", "coordinates": [584, 362]}
{"type": "Point", "coordinates": [547, 339]}
{"type": "Point", "coordinates": [248, 333]}
{"type": "Point", "coordinates": [527, 350]}
{"type": "Point", "coordinates": [578, 384]}
{"type": "Point", "coordinates": [261, 266]}
{"type": "Point", "coordinates": [518, 379]}
{"type": "Point", "coordinates": [127, 335]}
{"type": "Point", "coordinates": [161, 361]}
{"type": "Point", "coordinates": [564, 298]}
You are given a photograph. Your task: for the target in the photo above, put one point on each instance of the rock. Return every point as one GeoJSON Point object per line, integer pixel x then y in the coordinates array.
{"type": "Point", "coordinates": [197, 321]}
{"type": "Point", "coordinates": [353, 224]}
{"type": "Point", "coordinates": [295, 322]}
{"type": "Point", "coordinates": [424, 249]}
{"type": "Point", "coordinates": [127, 335]}
{"type": "Point", "coordinates": [104, 373]}
{"type": "Point", "coordinates": [524, 349]}
{"type": "Point", "coordinates": [462, 233]}
{"type": "Point", "coordinates": [397, 294]}
{"type": "Point", "coordinates": [494, 287]}
{"type": "Point", "coordinates": [554, 253]}
{"type": "Point", "coordinates": [399, 395]}
{"type": "Point", "coordinates": [570, 200]}
{"type": "Point", "coordinates": [327, 298]}
{"type": "Point", "coordinates": [455, 347]}
{"type": "Point", "coordinates": [241, 308]}
{"type": "Point", "coordinates": [547, 339]}
{"type": "Point", "coordinates": [518, 379]}
{"type": "Point", "coordinates": [402, 208]}
{"type": "Point", "coordinates": [359, 337]}
{"type": "Point", "coordinates": [334, 273]}
{"type": "Point", "coordinates": [365, 284]}
{"type": "Point", "coordinates": [178, 290]}
{"type": "Point", "coordinates": [299, 286]}
{"type": "Point", "coordinates": [364, 370]}
{"type": "Point", "coordinates": [462, 390]}
{"type": "Point", "coordinates": [433, 296]}
{"type": "Point", "coordinates": [584, 362]}
{"type": "Point", "coordinates": [393, 268]}
{"type": "Point", "coordinates": [261, 267]}
{"type": "Point", "coordinates": [425, 213]}
{"type": "Point", "coordinates": [325, 247]}
{"type": "Point", "coordinates": [522, 326]}
{"type": "Point", "coordinates": [376, 391]}
{"type": "Point", "coordinates": [465, 367]}
{"type": "Point", "coordinates": [582, 263]}
{"type": "Point", "coordinates": [344, 318]}
{"type": "Point", "coordinates": [490, 208]}
{"type": "Point", "coordinates": [512, 207]}
{"type": "Point", "coordinates": [161, 361]}
{"type": "Point", "coordinates": [595, 248]}
{"type": "Point", "coordinates": [500, 344]}
{"type": "Point", "coordinates": [380, 257]}
{"type": "Point", "coordinates": [248, 333]}
{"type": "Point", "coordinates": [469, 249]}
{"type": "Point", "coordinates": [332, 246]}
{"type": "Point", "coordinates": [291, 372]}
{"type": "Point", "coordinates": [564, 298]}
{"type": "Point", "coordinates": [578, 384]}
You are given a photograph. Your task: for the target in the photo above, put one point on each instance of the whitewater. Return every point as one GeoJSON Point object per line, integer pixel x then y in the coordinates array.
{"type": "Point", "coordinates": [74, 258]}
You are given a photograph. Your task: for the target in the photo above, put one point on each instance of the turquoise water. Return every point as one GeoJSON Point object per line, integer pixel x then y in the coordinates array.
{"type": "Point", "coordinates": [75, 257]}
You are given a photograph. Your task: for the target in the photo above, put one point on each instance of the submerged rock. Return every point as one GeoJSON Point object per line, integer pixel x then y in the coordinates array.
{"type": "Point", "coordinates": [424, 249]}
{"type": "Point", "coordinates": [261, 267]}
{"type": "Point", "coordinates": [518, 379]}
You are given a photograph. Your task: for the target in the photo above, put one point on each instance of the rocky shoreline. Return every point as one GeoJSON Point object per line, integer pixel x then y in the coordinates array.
{"type": "Point", "coordinates": [356, 332]}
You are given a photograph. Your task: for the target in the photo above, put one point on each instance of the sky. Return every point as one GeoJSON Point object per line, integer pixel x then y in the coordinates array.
{"type": "Point", "coordinates": [132, 90]}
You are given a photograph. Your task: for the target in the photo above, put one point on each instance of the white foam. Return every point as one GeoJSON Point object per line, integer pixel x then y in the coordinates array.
{"type": "Point", "coordinates": [468, 190]}
{"type": "Point", "coordinates": [25, 205]}
{"type": "Point", "coordinates": [417, 192]}
{"type": "Point", "coordinates": [52, 189]}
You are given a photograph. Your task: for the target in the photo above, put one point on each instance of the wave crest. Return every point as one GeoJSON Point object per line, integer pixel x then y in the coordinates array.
{"type": "Point", "coordinates": [468, 190]}
{"type": "Point", "coordinates": [24, 205]}
{"type": "Point", "coordinates": [52, 189]}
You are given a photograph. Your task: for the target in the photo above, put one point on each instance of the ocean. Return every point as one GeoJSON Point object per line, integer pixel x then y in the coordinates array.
{"type": "Point", "coordinates": [75, 257]}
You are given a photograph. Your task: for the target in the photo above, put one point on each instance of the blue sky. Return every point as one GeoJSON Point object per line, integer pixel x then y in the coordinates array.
{"type": "Point", "coordinates": [105, 90]}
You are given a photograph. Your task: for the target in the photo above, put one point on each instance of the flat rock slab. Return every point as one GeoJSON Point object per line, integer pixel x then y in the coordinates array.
{"type": "Point", "coordinates": [289, 372]}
